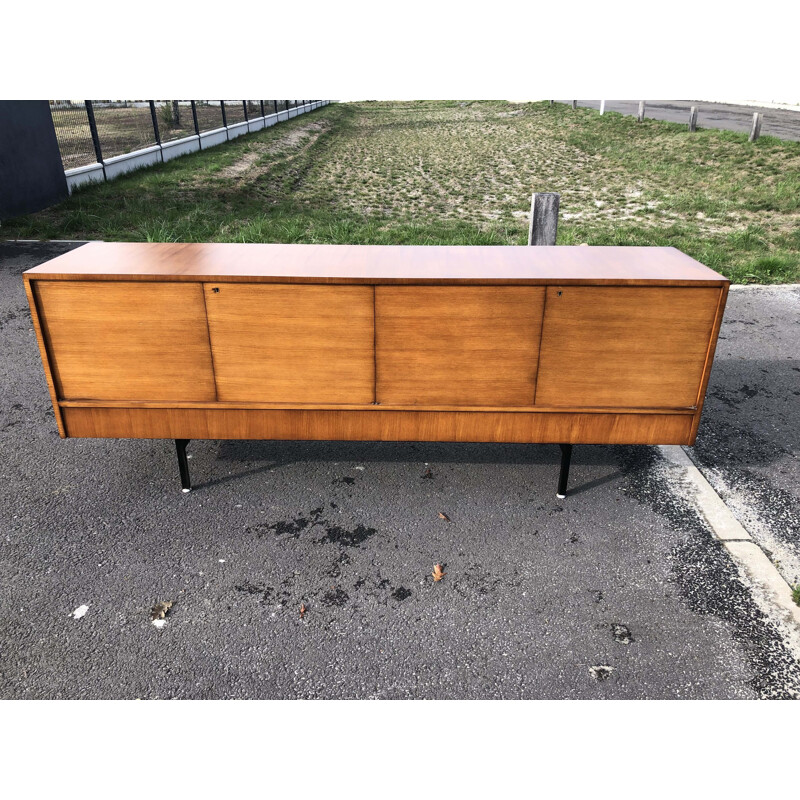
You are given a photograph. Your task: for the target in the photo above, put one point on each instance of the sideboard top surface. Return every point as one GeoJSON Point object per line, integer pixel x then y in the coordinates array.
{"type": "Point", "coordinates": [376, 264]}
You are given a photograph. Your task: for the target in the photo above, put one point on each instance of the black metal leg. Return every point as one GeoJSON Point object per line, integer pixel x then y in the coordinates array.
{"type": "Point", "coordinates": [183, 464]}
{"type": "Point", "coordinates": [563, 477]}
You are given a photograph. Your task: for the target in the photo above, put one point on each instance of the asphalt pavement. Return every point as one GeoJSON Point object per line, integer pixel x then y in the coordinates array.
{"type": "Point", "coordinates": [618, 591]}
{"type": "Point", "coordinates": [779, 122]}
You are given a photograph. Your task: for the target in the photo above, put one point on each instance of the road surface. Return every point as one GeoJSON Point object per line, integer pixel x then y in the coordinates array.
{"type": "Point", "coordinates": [777, 122]}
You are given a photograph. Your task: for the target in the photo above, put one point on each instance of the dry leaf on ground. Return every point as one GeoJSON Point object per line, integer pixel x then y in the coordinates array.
{"type": "Point", "coordinates": [438, 572]}
{"type": "Point", "coordinates": [159, 610]}
{"type": "Point", "coordinates": [302, 610]}
{"type": "Point", "coordinates": [444, 516]}
{"type": "Point", "coordinates": [428, 473]}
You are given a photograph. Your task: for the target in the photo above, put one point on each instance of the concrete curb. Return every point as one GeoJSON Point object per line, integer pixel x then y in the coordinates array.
{"type": "Point", "coordinates": [734, 537]}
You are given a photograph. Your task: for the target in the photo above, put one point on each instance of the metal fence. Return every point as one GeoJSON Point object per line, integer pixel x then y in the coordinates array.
{"type": "Point", "coordinates": [91, 131]}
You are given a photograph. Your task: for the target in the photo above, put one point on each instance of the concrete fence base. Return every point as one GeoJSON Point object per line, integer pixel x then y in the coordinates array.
{"type": "Point", "coordinates": [119, 165]}
{"type": "Point", "coordinates": [180, 147]}
{"type": "Point", "coordinates": [211, 138]}
{"type": "Point", "coordinates": [91, 173]}
{"type": "Point", "coordinates": [112, 168]}
{"type": "Point", "coordinates": [237, 129]}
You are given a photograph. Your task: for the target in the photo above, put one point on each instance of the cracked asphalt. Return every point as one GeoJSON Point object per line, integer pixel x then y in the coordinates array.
{"type": "Point", "coordinates": [619, 591]}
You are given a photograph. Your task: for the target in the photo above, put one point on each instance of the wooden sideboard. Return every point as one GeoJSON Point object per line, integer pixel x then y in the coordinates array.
{"type": "Point", "coordinates": [567, 345]}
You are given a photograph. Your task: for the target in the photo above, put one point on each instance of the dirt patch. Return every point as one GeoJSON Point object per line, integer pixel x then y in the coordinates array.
{"type": "Point", "coordinates": [298, 136]}
{"type": "Point", "coordinates": [244, 164]}
{"type": "Point", "coordinates": [291, 143]}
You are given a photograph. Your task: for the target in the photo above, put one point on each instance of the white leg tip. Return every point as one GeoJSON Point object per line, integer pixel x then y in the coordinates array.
{"type": "Point", "coordinates": [186, 491]}
{"type": "Point", "coordinates": [560, 496]}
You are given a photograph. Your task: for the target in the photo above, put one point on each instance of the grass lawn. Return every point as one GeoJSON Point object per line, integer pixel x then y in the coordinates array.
{"type": "Point", "coordinates": [462, 173]}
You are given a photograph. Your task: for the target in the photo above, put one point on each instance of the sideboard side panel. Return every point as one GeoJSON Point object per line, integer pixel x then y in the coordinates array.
{"type": "Point", "coordinates": [712, 347]}
{"type": "Point", "coordinates": [48, 371]}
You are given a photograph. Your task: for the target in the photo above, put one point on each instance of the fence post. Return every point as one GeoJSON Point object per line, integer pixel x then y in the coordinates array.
{"type": "Point", "coordinates": [692, 119]}
{"type": "Point", "coordinates": [155, 121]}
{"type": "Point", "coordinates": [224, 119]}
{"type": "Point", "coordinates": [196, 125]}
{"type": "Point", "coordinates": [157, 133]}
{"type": "Point", "coordinates": [98, 153]}
{"type": "Point", "coordinates": [602, 107]}
{"type": "Point", "coordinates": [244, 106]}
{"type": "Point", "coordinates": [574, 105]}
{"type": "Point", "coordinates": [640, 115]}
{"type": "Point", "coordinates": [276, 106]}
{"type": "Point", "coordinates": [551, 103]}
{"type": "Point", "coordinates": [755, 131]}
{"type": "Point", "coordinates": [262, 108]}
{"type": "Point", "coordinates": [544, 218]}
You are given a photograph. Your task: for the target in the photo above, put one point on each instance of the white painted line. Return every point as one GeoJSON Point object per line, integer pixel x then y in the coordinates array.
{"type": "Point", "coordinates": [746, 553]}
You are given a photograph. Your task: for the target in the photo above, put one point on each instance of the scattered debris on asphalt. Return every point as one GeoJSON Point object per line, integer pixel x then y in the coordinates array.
{"type": "Point", "coordinates": [444, 516]}
{"type": "Point", "coordinates": [601, 672]}
{"type": "Point", "coordinates": [621, 633]}
{"type": "Point", "coordinates": [79, 612]}
{"type": "Point", "coordinates": [302, 610]}
{"type": "Point", "coordinates": [160, 609]}
{"type": "Point", "coordinates": [438, 572]}
{"type": "Point", "coordinates": [428, 473]}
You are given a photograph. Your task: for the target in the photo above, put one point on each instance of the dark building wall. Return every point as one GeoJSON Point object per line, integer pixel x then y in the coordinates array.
{"type": "Point", "coordinates": [31, 172]}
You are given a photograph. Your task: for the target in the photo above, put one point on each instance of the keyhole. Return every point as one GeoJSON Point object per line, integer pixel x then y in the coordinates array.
{"type": "Point", "coordinates": [558, 294]}
{"type": "Point", "coordinates": [216, 290]}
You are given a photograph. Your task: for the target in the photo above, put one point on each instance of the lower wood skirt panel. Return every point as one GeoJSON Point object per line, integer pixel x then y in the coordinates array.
{"type": "Point", "coordinates": [387, 426]}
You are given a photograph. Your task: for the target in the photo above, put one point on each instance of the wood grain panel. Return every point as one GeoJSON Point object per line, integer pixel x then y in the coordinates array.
{"type": "Point", "coordinates": [126, 341]}
{"type": "Point", "coordinates": [304, 344]}
{"type": "Point", "coordinates": [359, 407]}
{"type": "Point", "coordinates": [48, 371]}
{"type": "Point", "coordinates": [624, 346]}
{"type": "Point", "coordinates": [460, 345]}
{"type": "Point", "coordinates": [378, 425]}
{"type": "Point", "coordinates": [375, 264]}
{"type": "Point", "coordinates": [712, 346]}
